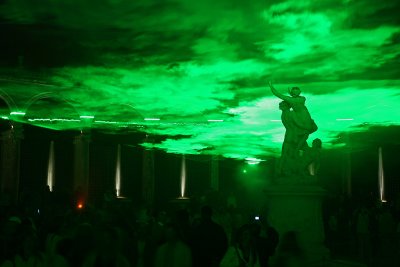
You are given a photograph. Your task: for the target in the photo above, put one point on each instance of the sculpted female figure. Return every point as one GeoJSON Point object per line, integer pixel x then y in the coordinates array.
{"type": "Point", "coordinates": [300, 116]}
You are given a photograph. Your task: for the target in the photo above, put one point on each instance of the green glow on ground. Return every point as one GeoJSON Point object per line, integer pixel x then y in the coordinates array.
{"type": "Point", "coordinates": [203, 75]}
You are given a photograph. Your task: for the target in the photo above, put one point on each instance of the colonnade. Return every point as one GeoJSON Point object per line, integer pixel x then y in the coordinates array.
{"type": "Point", "coordinates": [10, 164]}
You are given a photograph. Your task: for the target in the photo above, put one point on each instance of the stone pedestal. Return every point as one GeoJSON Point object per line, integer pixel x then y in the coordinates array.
{"type": "Point", "coordinates": [298, 208]}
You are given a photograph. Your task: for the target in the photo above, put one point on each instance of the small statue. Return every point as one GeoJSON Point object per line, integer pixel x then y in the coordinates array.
{"type": "Point", "coordinates": [311, 158]}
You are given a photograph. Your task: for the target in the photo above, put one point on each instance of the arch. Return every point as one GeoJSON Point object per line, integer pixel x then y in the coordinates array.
{"type": "Point", "coordinates": [47, 95]}
{"type": "Point", "coordinates": [127, 107]}
{"type": "Point", "coordinates": [116, 117]}
{"type": "Point", "coordinates": [134, 109]}
{"type": "Point", "coordinates": [53, 111]}
{"type": "Point", "coordinates": [8, 100]}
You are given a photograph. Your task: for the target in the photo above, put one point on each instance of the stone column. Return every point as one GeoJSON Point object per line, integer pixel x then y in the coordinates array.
{"type": "Point", "coordinates": [148, 175]}
{"type": "Point", "coordinates": [346, 173]}
{"type": "Point", "coordinates": [215, 173]}
{"type": "Point", "coordinates": [81, 166]}
{"type": "Point", "coordinates": [298, 208]}
{"type": "Point", "coordinates": [347, 177]}
{"type": "Point", "coordinates": [10, 162]}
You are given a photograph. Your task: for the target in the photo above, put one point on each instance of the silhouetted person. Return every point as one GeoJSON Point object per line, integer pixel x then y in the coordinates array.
{"type": "Point", "coordinates": [79, 245]}
{"type": "Point", "coordinates": [28, 252]}
{"type": "Point", "coordinates": [10, 238]}
{"type": "Point", "coordinates": [363, 234]}
{"type": "Point", "coordinates": [107, 250]}
{"type": "Point", "coordinates": [265, 245]}
{"type": "Point", "coordinates": [289, 253]}
{"type": "Point", "coordinates": [209, 241]}
{"type": "Point", "coordinates": [244, 251]}
{"type": "Point", "coordinates": [183, 223]}
{"type": "Point", "coordinates": [174, 252]}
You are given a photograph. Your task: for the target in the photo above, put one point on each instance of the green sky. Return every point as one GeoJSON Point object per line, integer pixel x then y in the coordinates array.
{"type": "Point", "coordinates": [186, 63]}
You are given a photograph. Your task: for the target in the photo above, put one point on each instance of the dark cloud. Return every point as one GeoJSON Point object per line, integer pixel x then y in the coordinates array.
{"type": "Point", "coordinates": [387, 71]}
{"type": "Point", "coordinates": [373, 14]}
{"type": "Point", "coordinates": [41, 45]}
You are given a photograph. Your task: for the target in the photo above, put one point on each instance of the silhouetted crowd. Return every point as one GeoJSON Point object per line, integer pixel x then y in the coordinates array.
{"type": "Point", "coordinates": [53, 232]}
{"type": "Point", "coordinates": [50, 231]}
{"type": "Point", "coordinates": [364, 229]}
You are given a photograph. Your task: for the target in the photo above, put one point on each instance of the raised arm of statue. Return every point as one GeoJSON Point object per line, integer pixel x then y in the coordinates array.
{"type": "Point", "coordinates": [276, 93]}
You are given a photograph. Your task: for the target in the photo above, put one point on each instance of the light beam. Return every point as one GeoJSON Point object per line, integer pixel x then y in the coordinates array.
{"type": "Point", "coordinates": [50, 167]}
{"type": "Point", "coordinates": [381, 177]}
{"type": "Point", "coordinates": [183, 176]}
{"type": "Point", "coordinates": [118, 172]}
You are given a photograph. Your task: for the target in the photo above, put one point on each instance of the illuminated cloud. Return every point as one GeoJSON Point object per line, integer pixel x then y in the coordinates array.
{"type": "Point", "coordinates": [188, 62]}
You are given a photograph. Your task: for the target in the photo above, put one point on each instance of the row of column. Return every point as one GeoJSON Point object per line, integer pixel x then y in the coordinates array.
{"type": "Point", "coordinates": [10, 167]}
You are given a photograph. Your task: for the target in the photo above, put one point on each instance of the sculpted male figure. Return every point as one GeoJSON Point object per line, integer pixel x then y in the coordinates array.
{"type": "Point", "coordinates": [286, 164]}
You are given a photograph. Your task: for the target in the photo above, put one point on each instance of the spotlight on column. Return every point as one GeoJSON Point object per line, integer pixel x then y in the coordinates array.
{"type": "Point", "coordinates": [183, 178]}
{"type": "Point", "coordinates": [50, 167]}
{"type": "Point", "coordinates": [381, 176]}
{"type": "Point", "coordinates": [118, 172]}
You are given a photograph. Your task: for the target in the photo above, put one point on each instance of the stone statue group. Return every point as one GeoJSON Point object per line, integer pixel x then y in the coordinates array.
{"type": "Point", "coordinates": [298, 159]}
